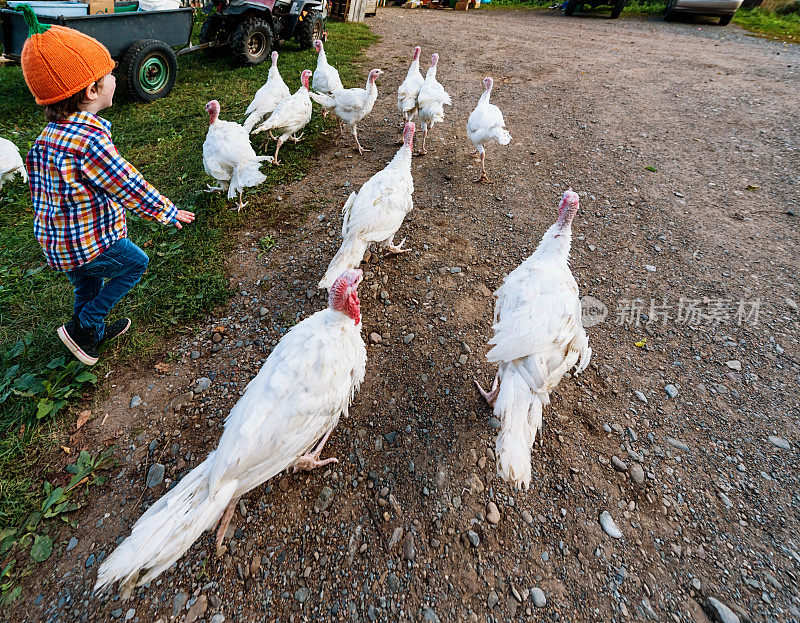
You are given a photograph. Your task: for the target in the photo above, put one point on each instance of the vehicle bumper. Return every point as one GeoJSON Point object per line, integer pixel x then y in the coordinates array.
{"type": "Point", "coordinates": [708, 7]}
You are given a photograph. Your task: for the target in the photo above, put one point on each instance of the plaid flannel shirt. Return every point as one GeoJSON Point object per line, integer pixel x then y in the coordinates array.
{"type": "Point", "coordinates": [80, 188]}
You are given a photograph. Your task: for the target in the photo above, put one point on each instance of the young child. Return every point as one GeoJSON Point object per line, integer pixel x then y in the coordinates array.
{"type": "Point", "coordinates": [81, 186]}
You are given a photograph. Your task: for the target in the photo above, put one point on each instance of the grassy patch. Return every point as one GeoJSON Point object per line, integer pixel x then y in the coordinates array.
{"type": "Point", "coordinates": [768, 24]}
{"type": "Point", "coordinates": [185, 278]}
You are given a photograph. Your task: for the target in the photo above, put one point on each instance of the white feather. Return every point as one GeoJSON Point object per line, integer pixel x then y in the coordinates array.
{"type": "Point", "coordinates": [486, 124]}
{"type": "Point", "coordinates": [290, 116]}
{"type": "Point", "coordinates": [538, 337]}
{"type": "Point", "coordinates": [229, 158]}
{"type": "Point", "coordinates": [303, 388]}
{"type": "Point", "coordinates": [266, 99]}
{"type": "Point", "coordinates": [431, 100]}
{"type": "Point", "coordinates": [11, 163]}
{"type": "Point", "coordinates": [326, 77]}
{"type": "Point", "coordinates": [409, 90]}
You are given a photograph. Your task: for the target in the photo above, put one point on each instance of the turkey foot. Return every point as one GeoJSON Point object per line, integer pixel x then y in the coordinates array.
{"type": "Point", "coordinates": [391, 249]}
{"type": "Point", "coordinates": [307, 462]}
{"type": "Point", "coordinates": [239, 204]}
{"type": "Point", "coordinates": [324, 113]}
{"type": "Point", "coordinates": [213, 189]}
{"type": "Point", "coordinates": [491, 396]}
{"type": "Point", "coordinates": [296, 139]}
{"type": "Point", "coordinates": [361, 149]}
{"type": "Point", "coordinates": [224, 522]}
{"type": "Point", "coordinates": [482, 178]}
{"type": "Point", "coordinates": [423, 151]}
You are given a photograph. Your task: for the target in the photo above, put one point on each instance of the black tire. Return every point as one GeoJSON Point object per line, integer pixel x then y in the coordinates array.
{"type": "Point", "coordinates": [252, 41]}
{"type": "Point", "coordinates": [149, 69]}
{"type": "Point", "coordinates": [213, 31]}
{"type": "Point", "coordinates": [310, 29]}
{"type": "Point", "coordinates": [617, 8]}
{"type": "Point", "coordinates": [669, 14]}
{"type": "Point", "coordinates": [572, 6]}
{"type": "Point", "coordinates": [724, 20]}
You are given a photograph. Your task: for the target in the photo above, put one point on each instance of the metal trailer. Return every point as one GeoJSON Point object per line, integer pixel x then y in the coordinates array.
{"type": "Point", "coordinates": [141, 42]}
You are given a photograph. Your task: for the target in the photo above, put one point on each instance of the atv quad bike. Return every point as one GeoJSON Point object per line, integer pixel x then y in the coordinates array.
{"type": "Point", "coordinates": [249, 29]}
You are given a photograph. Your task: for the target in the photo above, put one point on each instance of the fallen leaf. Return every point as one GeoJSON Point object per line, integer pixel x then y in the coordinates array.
{"type": "Point", "coordinates": [651, 168]}
{"type": "Point", "coordinates": [752, 187]}
{"type": "Point", "coordinates": [66, 450]}
{"type": "Point", "coordinates": [83, 417]}
{"type": "Point", "coordinates": [105, 417]}
{"type": "Point", "coordinates": [641, 344]}
{"type": "Point", "coordinates": [162, 368]}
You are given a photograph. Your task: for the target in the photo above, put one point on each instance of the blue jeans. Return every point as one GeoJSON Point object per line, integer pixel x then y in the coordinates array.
{"type": "Point", "coordinates": [122, 265]}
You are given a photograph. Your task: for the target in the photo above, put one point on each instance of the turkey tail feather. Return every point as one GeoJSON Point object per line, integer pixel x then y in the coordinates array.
{"type": "Point", "coordinates": [244, 176]}
{"type": "Point", "coordinates": [520, 414]}
{"type": "Point", "coordinates": [348, 256]}
{"type": "Point", "coordinates": [346, 212]}
{"type": "Point", "coordinates": [502, 136]}
{"type": "Point", "coordinates": [168, 528]}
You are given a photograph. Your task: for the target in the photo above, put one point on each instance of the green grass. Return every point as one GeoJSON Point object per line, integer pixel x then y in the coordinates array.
{"type": "Point", "coordinates": [768, 24]}
{"type": "Point", "coordinates": [185, 278]}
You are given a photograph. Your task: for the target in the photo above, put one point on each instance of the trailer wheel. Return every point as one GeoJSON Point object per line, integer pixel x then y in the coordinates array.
{"type": "Point", "coordinates": [252, 42]}
{"type": "Point", "coordinates": [617, 8]}
{"type": "Point", "coordinates": [149, 69]}
{"type": "Point", "coordinates": [310, 29]}
{"type": "Point", "coordinates": [724, 20]}
{"type": "Point", "coordinates": [571, 7]}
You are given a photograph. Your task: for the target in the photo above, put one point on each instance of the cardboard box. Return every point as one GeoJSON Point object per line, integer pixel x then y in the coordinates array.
{"type": "Point", "coordinates": [101, 6]}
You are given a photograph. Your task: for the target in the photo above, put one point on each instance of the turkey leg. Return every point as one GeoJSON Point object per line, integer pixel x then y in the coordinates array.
{"type": "Point", "coordinates": [483, 177]}
{"type": "Point", "coordinates": [423, 151]}
{"type": "Point", "coordinates": [491, 396]}
{"type": "Point", "coordinates": [277, 149]}
{"type": "Point", "coordinates": [391, 249]}
{"type": "Point", "coordinates": [307, 462]}
{"type": "Point", "coordinates": [361, 150]}
{"type": "Point", "coordinates": [240, 205]}
{"type": "Point", "coordinates": [296, 139]}
{"type": "Point", "coordinates": [224, 522]}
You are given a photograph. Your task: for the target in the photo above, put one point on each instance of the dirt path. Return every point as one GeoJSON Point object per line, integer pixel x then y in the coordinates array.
{"type": "Point", "coordinates": [708, 506]}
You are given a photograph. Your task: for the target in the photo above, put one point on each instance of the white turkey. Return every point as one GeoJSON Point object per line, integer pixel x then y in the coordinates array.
{"type": "Point", "coordinates": [326, 77]}
{"type": "Point", "coordinates": [409, 90]}
{"type": "Point", "coordinates": [376, 212]}
{"type": "Point", "coordinates": [295, 401]}
{"type": "Point", "coordinates": [351, 105]}
{"type": "Point", "coordinates": [267, 97]}
{"type": "Point", "coordinates": [10, 162]}
{"type": "Point", "coordinates": [486, 124]}
{"type": "Point", "coordinates": [431, 101]}
{"type": "Point", "coordinates": [290, 116]}
{"type": "Point", "coordinates": [538, 337]}
{"type": "Point", "coordinates": [228, 156]}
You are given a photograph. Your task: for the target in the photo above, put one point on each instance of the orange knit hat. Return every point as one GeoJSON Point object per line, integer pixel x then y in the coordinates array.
{"type": "Point", "coordinates": [57, 62]}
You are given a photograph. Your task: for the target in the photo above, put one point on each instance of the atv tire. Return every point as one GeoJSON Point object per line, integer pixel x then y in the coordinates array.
{"type": "Point", "coordinates": [252, 42]}
{"type": "Point", "coordinates": [310, 29]}
{"type": "Point", "coordinates": [213, 31]}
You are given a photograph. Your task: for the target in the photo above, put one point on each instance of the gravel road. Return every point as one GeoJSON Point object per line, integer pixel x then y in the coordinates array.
{"type": "Point", "coordinates": [682, 140]}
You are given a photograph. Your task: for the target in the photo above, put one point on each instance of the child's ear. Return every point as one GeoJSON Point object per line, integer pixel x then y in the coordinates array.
{"type": "Point", "coordinates": [90, 93]}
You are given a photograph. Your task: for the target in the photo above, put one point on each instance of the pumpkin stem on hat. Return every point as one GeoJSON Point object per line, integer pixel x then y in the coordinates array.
{"type": "Point", "coordinates": [34, 26]}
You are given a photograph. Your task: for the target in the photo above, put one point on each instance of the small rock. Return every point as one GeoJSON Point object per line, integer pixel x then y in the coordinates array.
{"type": "Point", "coordinates": [492, 599]}
{"type": "Point", "coordinates": [375, 338]}
{"type": "Point", "coordinates": [734, 364]}
{"type": "Point", "coordinates": [302, 594]}
{"type": "Point", "coordinates": [492, 513]}
{"type": "Point", "coordinates": [539, 600]}
{"type": "Point", "coordinates": [677, 443]}
{"type": "Point", "coordinates": [115, 614]}
{"type": "Point", "coordinates": [619, 464]}
{"type": "Point", "coordinates": [195, 354]}
{"type": "Point", "coordinates": [637, 473]}
{"type": "Point", "coordinates": [721, 612]}
{"type": "Point", "coordinates": [429, 616]}
{"type": "Point", "coordinates": [390, 437]}
{"type": "Point", "coordinates": [218, 618]}
{"type": "Point", "coordinates": [73, 543]}
{"type": "Point", "coordinates": [640, 396]}
{"type": "Point", "coordinates": [608, 525]}
{"type": "Point", "coordinates": [262, 311]}
{"type": "Point", "coordinates": [90, 561]}
{"type": "Point", "coordinates": [650, 268]}
{"type": "Point", "coordinates": [202, 385]}
{"type": "Point", "coordinates": [473, 538]}
{"type": "Point", "coordinates": [791, 304]}
{"type": "Point", "coordinates": [779, 442]}
{"type": "Point", "coordinates": [136, 401]}
{"type": "Point", "coordinates": [216, 338]}
{"type": "Point", "coordinates": [324, 499]}
{"type": "Point", "coordinates": [409, 551]}
{"type": "Point", "coordinates": [408, 338]}
{"type": "Point", "coordinates": [494, 423]}
{"type": "Point", "coordinates": [672, 391]}
{"type": "Point", "coordinates": [155, 475]}
{"type": "Point", "coordinates": [130, 614]}
{"type": "Point", "coordinates": [527, 517]}
{"type": "Point", "coordinates": [178, 602]}
{"type": "Point", "coordinates": [283, 484]}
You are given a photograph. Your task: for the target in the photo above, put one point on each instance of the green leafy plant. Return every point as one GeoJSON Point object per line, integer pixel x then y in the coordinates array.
{"type": "Point", "coordinates": [265, 244]}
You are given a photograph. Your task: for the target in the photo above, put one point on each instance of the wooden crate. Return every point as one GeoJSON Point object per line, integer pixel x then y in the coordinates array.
{"type": "Point", "coordinates": [348, 10]}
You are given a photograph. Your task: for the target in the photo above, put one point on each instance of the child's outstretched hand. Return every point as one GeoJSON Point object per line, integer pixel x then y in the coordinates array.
{"type": "Point", "coordinates": [183, 216]}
